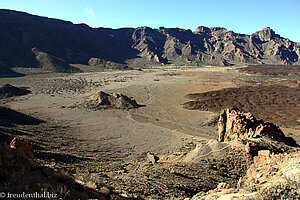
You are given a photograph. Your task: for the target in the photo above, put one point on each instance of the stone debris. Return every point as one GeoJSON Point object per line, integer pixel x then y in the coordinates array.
{"type": "Point", "coordinates": [152, 158]}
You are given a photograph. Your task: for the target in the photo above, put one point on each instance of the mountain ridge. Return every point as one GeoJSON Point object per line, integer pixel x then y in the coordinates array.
{"type": "Point", "coordinates": [138, 47]}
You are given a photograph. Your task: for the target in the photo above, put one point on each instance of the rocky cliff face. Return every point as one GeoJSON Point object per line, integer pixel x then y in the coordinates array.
{"type": "Point", "coordinates": [77, 43]}
{"type": "Point", "coordinates": [243, 129]}
{"type": "Point", "coordinates": [273, 174]}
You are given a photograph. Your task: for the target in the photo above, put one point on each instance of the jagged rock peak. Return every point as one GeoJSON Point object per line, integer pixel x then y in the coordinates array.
{"type": "Point", "coordinates": [144, 28]}
{"type": "Point", "coordinates": [36, 51]}
{"type": "Point", "coordinates": [266, 34]}
{"type": "Point", "coordinates": [238, 125]}
{"type": "Point", "coordinates": [202, 29]}
{"type": "Point", "coordinates": [218, 29]}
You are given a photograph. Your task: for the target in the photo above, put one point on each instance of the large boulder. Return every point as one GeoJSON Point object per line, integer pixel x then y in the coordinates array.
{"type": "Point", "coordinates": [102, 100]}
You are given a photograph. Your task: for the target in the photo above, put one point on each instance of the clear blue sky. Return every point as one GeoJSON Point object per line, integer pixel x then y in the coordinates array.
{"type": "Point", "coordinates": [243, 16]}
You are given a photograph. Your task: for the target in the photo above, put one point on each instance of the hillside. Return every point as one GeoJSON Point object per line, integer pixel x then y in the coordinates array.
{"type": "Point", "coordinates": [137, 47]}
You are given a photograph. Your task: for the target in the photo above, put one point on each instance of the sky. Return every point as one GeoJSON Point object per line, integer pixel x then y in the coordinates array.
{"type": "Point", "coordinates": [242, 16]}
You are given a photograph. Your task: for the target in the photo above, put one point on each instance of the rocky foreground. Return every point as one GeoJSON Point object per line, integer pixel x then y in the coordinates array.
{"type": "Point", "coordinates": [275, 172]}
{"type": "Point", "coordinates": [271, 176]}
{"type": "Point", "coordinates": [252, 160]}
{"type": "Point", "coordinates": [20, 173]}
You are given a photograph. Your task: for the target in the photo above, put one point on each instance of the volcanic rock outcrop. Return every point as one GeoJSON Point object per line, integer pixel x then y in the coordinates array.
{"type": "Point", "coordinates": [24, 146]}
{"type": "Point", "coordinates": [19, 174]}
{"type": "Point", "coordinates": [97, 62]}
{"type": "Point", "coordinates": [106, 64]}
{"type": "Point", "coordinates": [235, 125]}
{"type": "Point", "coordinates": [9, 90]}
{"type": "Point", "coordinates": [269, 177]}
{"type": "Point", "coordinates": [52, 63]}
{"type": "Point", "coordinates": [272, 167]}
{"type": "Point", "coordinates": [15, 160]}
{"type": "Point", "coordinates": [102, 100]}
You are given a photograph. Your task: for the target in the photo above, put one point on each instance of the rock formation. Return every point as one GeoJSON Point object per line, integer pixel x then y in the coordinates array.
{"type": "Point", "coordinates": [144, 46]}
{"type": "Point", "coordinates": [235, 125]}
{"type": "Point", "coordinates": [272, 175]}
{"type": "Point", "coordinates": [106, 64]}
{"type": "Point", "coordinates": [96, 62]}
{"type": "Point", "coordinates": [271, 168]}
{"type": "Point", "coordinates": [24, 146]}
{"type": "Point", "coordinates": [14, 160]}
{"type": "Point", "coordinates": [9, 90]}
{"type": "Point", "coordinates": [152, 158]}
{"type": "Point", "coordinates": [102, 100]}
{"type": "Point", "coordinates": [52, 63]}
{"type": "Point", "coordinates": [269, 177]}
{"type": "Point", "coordinates": [19, 174]}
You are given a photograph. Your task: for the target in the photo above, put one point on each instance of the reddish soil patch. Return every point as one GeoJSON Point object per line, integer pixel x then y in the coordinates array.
{"type": "Point", "coordinates": [282, 70]}
{"type": "Point", "coordinates": [276, 102]}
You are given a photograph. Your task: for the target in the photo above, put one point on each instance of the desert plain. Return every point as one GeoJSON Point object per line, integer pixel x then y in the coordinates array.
{"type": "Point", "coordinates": [111, 147]}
